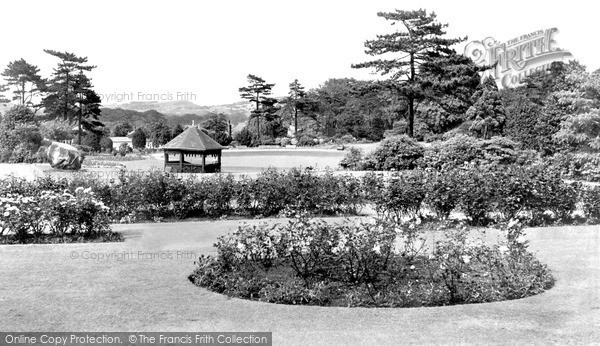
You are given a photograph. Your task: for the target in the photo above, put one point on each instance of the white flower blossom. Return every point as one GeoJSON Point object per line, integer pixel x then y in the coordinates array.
{"type": "Point", "coordinates": [466, 258]}
{"type": "Point", "coordinates": [377, 249]}
{"type": "Point", "coordinates": [512, 223]}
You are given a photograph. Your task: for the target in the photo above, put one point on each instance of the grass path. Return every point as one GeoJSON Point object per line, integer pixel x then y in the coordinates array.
{"type": "Point", "coordinates": [43, 289]}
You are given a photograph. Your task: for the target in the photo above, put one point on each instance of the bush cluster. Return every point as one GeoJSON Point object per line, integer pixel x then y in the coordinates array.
{"type": "Point", "coordinates": [395, 153]}
{"type": "Point", "coordinates": [483, 195]}
{"type": "Point", "coordinates": [462, 150]}
{"type": "Point", "coordinates": [495, 194]}
{"type": "Point", "coordinates": [38, 215]}
{"type": "Point", "coordinates": [156, 195]}
{"type": "Point", "coordinates": [579, 166]}
{"type": "Point", "coordinates": [591, 204]}
{"type": "Point", "coordinates": [403, 153]}
{"type": "Point", "coordinates": [317, 263]}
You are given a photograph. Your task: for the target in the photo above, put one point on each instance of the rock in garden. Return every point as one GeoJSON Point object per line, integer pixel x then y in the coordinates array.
{"type": "Point", "coordinates": [64, 156]}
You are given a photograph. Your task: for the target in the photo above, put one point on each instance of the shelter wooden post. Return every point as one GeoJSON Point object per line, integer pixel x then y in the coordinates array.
{"type": "Point", "coordinates": [181, 161]}
{"type": "Point", "coordinates": [166, 159]}
{"type": "Point", "coordinates": [203, 161]}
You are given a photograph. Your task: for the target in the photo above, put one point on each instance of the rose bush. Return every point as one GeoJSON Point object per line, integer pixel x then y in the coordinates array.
{"type": "Point", "coordinates": [375, 264]}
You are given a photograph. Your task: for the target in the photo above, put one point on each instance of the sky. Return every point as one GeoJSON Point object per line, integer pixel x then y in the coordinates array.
{"type": "Point", "coordinates": [202, 51]}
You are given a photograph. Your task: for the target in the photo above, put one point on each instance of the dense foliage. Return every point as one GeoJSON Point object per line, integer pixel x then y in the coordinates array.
{"type": "Point", "coordinates": [33, 214]}
{"type": "Point", "coordinates": [20, 137]}
{"type": "Point", "coordinates": [404, 153]}
{"type": "Point", "coordinates": [396, 153]}
{"type": "Point", "coordinates": [482, 194]}
{"type": "Point", "coordinates": [371, 264]}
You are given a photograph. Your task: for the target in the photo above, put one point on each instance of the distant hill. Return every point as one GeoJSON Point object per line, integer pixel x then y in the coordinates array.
{"type": "Point", "coordinates": [112, 116]}
{"type": "Point", "coordinates": [237, 112]}
{"type": "Point", "coordinates": [117, 115]}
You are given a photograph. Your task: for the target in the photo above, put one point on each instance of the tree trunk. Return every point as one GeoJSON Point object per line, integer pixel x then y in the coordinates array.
{"type": "Point", "coordinates": [411, 116]}
{"type": "Point", "coordinates": [79, 124]}
{"type": "Point", "coordinates": [411, 98]}
{"type": "Point", "coordinates": [296, 122]}
{"type": "Point", "coordinates": [66, 110]}
{"type": "Point", "coordinates": [257, 116]}
{"type": "Point", "coordinates": [23, 93]}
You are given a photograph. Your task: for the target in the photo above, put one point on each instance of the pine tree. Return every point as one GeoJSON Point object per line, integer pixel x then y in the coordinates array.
{"type": "Point", "coordinates": [487, 113]}
{"type": "Point", "coordinates": [25, 81]}
{"type": "Point", "coordinates": [69, 93]}
{"type": "Point", "coordinates": [411, 47]}
{"type": "Point", "coordinates": [138, 139]}
{"type": "Point", "coordinates": [257, 92]}
{"type": "Point", "coordinates": [296, 100]}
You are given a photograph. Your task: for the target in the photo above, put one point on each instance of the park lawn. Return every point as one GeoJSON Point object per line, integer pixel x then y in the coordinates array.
{"type": "Point", "coordinates": [43, 289]}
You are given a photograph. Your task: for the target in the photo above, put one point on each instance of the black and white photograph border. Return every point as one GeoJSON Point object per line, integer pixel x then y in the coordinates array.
{"type": "Point", "coordinates": [296, 173]}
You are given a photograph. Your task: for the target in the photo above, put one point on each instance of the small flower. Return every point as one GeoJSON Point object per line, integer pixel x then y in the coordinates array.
{"type": "Point", "coordinates": [377, 249]}
{"type": "Point", "coordinates": [466, 258]}
{"type": "Point", "coordinates": [412, 267]}
{"type": "Point", "coordinates": [520, 239]}
{"type": "Point", "coordinates": [503, 249]}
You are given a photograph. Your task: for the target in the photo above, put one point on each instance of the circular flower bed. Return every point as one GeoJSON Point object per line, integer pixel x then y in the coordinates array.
{"type": "Point", "coordinates": [372, 264]}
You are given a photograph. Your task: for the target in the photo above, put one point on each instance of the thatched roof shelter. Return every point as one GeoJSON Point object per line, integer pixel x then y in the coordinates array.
{"type": "Point", "coordinates": [192, 142]}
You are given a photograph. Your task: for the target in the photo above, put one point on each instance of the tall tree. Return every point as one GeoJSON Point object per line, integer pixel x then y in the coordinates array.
{"type": "Point", "coordinates": [25, 81]}
{"type": "Point", "coordinates": [121, 129]}
{"type": "Point", "coordinates": [296, 100]}
{"type": "Point", "coordinates": [87, 104]}
{"type": "Point", "coordinates": [177, 130]}
{"type": "Point", "coordinates": [217, 122]}
{"type": "Point", "coordinates": [138, 139]}
{"type": "Point", "coordinates": [257, 92]}
{"type": "Point", "coordinates": [422, 35]}
{"type": "Point", "coordinates": [69, 93]}
{"type": "Point", "coordinates": [487, 113]}
{"type": "Point", "coordinates": [448, 82]}
{"type": "Point", "coordinates": [579, 105]}
{"type": "Point", "coordinates": [158, 133]}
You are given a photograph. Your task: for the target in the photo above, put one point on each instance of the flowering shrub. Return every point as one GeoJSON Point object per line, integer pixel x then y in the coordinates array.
{"type": "Point", "coordinates": [48, 215]}
{"type": "Point", "coordinates": [157, 194]}
{"type": "Point", "coordinates": [580, 166]}
{"type": "Point", "coordinates": [378, 263]}
{"type": "Point", "coordinates": [395, 153]}
{"type": "Point", "coordinates": [484, 194]}
{"type": "Point", "coordinates": [352, 160]}
{"type": "Point", "coordinates": [475, 272]}
{"type": "Point", "coordinates": [402, 195]}
{"type": "Point", "coordinates": [442, 193]}
{"type": "Point", "coordinates": [591, 203]}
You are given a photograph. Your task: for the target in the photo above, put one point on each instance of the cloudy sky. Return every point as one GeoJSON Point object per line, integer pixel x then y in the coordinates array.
{"type": "Point", "coordinates": [203, 50]}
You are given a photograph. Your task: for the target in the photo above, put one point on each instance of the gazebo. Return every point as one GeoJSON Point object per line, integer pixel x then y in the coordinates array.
{"type": "Point", "coordinates": [192, 143]}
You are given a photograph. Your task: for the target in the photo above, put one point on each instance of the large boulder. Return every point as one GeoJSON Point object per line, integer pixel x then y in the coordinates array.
{"type": "Point", "coordinates": [64, 156]}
